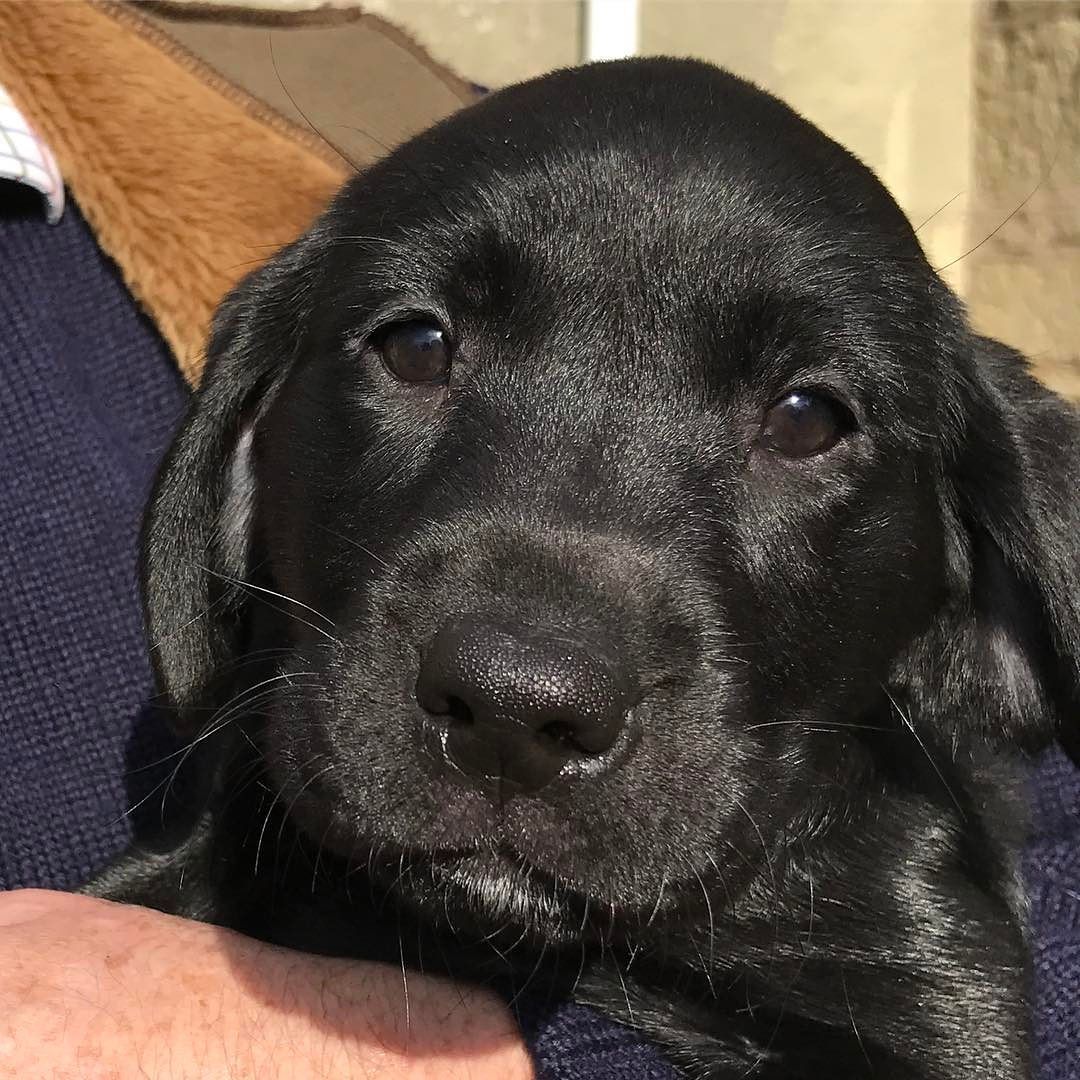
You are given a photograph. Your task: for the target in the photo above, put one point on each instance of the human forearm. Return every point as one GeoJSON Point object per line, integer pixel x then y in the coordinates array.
{"type": "Point", "coordinates": [96, 989]}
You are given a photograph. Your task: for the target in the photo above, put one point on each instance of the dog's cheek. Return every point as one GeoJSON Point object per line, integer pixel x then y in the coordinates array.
{"type": "Point", "coordinates": [887, 579]}
{"type": "Point", "coordinates": [836, 590]}
{"type": "Point", "coordinates": [338, 480]}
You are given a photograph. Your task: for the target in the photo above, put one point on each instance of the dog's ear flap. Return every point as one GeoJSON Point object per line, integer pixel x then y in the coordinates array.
{"type": "Point", "coordinates": [197, 529]}
{"type": "Point", "coordinates": [1004, 661]}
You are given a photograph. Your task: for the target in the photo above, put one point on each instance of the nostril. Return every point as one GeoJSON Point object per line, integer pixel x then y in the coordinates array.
{"type": "Point", "coordinates": [446, 707]}
{"type": "Point", "coordinates": [563, 735]}
{"type": "Point", "coordinates": [458, 711]}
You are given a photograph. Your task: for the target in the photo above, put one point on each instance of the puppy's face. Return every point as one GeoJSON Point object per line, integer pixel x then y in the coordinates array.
{"type": "Point", "coordinates": [591, 478]}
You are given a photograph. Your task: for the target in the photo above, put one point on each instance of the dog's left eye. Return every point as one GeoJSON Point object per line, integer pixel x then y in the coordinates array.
{"type": "Point", "coordinates": [804, 423]}
{"type": "Point", "coordinates": [416, 352]}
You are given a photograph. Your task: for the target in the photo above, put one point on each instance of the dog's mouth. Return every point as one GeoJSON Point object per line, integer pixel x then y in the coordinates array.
{"type": "Point", "coordinates": [491, 893]}
{"type": "Point", "coordinates": [523, 871]}
{"type": "Point", "coordinates": [483, 885]}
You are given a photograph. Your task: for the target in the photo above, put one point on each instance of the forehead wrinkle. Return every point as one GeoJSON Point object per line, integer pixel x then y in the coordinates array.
{"type": "Point", "coordinates": [588, 272]}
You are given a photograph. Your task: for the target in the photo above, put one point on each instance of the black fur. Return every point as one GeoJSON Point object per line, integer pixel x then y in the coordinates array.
{"type": "Point", "coordinates": [807, 866]}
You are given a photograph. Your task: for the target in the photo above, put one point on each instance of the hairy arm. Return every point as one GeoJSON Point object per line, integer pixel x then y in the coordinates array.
{"type": "Point", "coordinates": [97, 989]}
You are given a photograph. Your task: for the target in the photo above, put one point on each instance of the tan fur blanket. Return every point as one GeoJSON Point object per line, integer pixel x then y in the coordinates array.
{"type": "Point", "coordinates": [188, 178]}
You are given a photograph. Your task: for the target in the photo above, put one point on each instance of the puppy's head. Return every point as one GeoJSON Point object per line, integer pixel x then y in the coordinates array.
{"type": "Point", "coordinates": [592, 473]}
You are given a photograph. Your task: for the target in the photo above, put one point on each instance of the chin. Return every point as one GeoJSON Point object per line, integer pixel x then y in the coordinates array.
{"type": "Point", "coordinates": [501, 898]}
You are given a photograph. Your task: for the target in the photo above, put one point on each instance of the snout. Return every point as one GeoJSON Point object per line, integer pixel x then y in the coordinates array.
{"type": "Point", "coordinates": [514, 706]}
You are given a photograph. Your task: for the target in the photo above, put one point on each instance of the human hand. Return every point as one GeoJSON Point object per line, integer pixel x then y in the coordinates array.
{"type": "Point", "coordinates": [96, 989]}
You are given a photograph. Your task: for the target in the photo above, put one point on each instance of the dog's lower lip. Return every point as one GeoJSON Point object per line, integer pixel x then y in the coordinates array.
{"type": "Point", "coordinates": [449, 856]}
{"type": "Point", "coordinates": [500, 856]}
{"type": "Point", "coordinates": [498, 862]}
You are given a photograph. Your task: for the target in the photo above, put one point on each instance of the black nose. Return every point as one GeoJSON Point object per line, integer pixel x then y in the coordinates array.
{"type": "Point", "coordinates": [513, 704]}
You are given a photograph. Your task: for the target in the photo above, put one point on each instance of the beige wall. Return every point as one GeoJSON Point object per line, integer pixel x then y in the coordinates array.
{"type": "Point", "coordinates": [890, 79]}
{"type": "Point", "coordinates": [1024, 280]}
{"type": "Point", "coordinates": [492, 42]}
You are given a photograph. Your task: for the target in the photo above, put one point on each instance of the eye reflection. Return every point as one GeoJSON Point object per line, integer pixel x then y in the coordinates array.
{"type": "Point", "coordinates": [416, 352]}
{"type": "Point", "coordinates": [804, 423]}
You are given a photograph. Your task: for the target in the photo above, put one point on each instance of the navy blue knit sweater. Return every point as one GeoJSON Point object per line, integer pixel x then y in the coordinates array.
{"type": "Point", "coordinates": [88, 400]}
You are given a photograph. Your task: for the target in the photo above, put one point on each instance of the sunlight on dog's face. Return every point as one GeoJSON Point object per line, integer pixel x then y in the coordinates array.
{"type": "Point", "coordinates": [613, 412]}
{"type": "Point", "coordinates": [598, 475]}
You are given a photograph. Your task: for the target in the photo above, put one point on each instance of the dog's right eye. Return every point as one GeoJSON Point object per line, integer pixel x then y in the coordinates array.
{"type": "Point", "coordinates": [416, 352]}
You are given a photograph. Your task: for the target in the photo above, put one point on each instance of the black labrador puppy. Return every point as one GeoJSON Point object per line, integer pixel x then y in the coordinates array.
{"type": "Point", "coordinates": [601, 547]}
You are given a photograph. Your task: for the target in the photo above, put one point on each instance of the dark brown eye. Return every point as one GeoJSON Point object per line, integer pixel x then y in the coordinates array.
{"type": "Point", "coordinates": [417, 352]}
{"type": "Point", "coordinates": [804, 423]}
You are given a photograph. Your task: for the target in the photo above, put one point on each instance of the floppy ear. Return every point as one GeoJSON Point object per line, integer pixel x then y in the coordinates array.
{"type": "Point", "coordinates": [1004, 660]}
{"type": "Point", "coordinates": [196, 532]}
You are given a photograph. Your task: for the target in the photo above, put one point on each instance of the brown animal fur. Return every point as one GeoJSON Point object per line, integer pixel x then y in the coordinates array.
{"type": "Point", "coordinates": [187, 181]}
